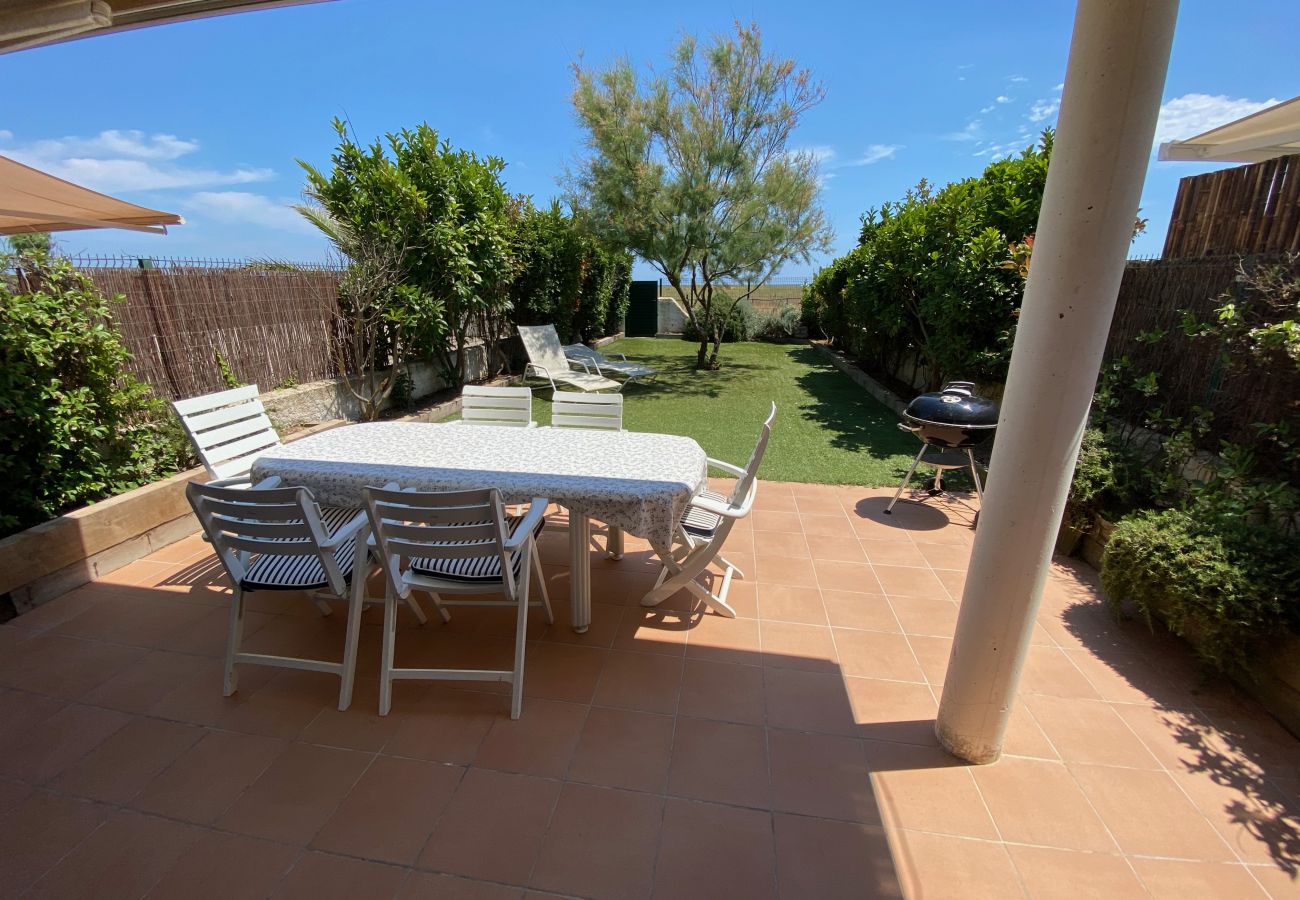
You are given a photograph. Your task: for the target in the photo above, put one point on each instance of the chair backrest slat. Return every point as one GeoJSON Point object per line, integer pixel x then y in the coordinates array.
{"type": "Point", "coordinates": [572, 410]}
{"type": "Point", "coordinates": [542, 345]}
{"type": "Point", "coordinates": [496, 406]}
{"type": "Point", "coordinates": [743, 492]}
{"type": "Point", "coordinates": [230, 429]}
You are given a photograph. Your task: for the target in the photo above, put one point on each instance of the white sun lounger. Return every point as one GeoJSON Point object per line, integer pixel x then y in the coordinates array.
{"type": "Point", "coordinates": [546, 360]}
{"type": "Point", "coordinates": [619, 368]}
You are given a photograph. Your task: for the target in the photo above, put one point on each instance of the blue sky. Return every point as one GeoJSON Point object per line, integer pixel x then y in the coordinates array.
{"type": "Point", "coordinates": [206, 118]}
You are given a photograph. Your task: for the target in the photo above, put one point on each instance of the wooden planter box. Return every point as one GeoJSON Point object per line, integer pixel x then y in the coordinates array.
{"type": "Point", "coordinates": [1095, 541]}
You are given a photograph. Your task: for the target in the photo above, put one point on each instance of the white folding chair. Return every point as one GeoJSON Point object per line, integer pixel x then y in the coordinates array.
{"type": "Point", "coordinates": [546, 360]}
{"type": "Point", "coordinates": [601, 411]}
{"type": "Point", "coordinates": [497, 406]}
{"type": "Point", "coordinates": [453, 543]}
{"type": "Point", "coordinates": [230, 429]}
{"type": "Point", "coordinates": [278, 539]}
{"type": "Point", "coordinates": [703, 530]}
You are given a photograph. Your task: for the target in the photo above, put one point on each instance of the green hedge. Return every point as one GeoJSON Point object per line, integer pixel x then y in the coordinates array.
{"type": "Point", "coordinates": [73, 427]}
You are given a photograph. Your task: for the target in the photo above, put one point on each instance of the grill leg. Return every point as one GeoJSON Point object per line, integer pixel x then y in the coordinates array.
{"type": "Point", "coordinates": [906, 481]}
{"type": "Point", "coordinates": [974, 473]}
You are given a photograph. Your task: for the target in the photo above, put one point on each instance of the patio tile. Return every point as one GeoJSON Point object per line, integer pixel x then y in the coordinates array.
{"type": "Point", "coordinates": [556, 671]}
{"type": "Point", "coordinates": [934, 616]}
{"type": "Point", "coordinates": [39, 832]}
{"type": "Point", "coordinates": [786, 570]}
{"type": "Point", "coordinates": [832, 860]}
{"type": "Point", "coordinates": [876, 654]}
{"type": "Point", "coordinates": [122, 859]}
{"type": "Point", "coordinates": [893, 553]}
{"type": "Point", "coordinates": [1275, 881]}
{"type": "Point", "coordinates": [145, 682]}
{"type": "Point", "coordinates": [953, 582]}
{"type": "Point", "coordinates": [938, 866]}
{"type": "Point", "coordinates": [1089, 731]}
{"type": "Point", "coordinates": [1170, 879]}
{"type": "Point", "coordinates": [220, 866]}
{"type": "Point", "coordinates": [624, 749]}
{"type": "Point", "coordinates": [1149, 815]}
{"type": "Point", "coordinates": [727, 692]}
{"type": "Point", "coordinates": [1074, 875]}
{"type": "Point", "coordinates": [844, 576]}
{"type": "Point", "coordinates": [1260, 822]}
{"type": "Point", "coordinates": [64, 667]}
{"type": "Point", "coordinates": [434, 886]}
{"type": "Point", "coordinates": [719, 761]}
{"type": "Point", "coordinates": [445, 725]}
{"type": "Point", "coordinates": [1048, 670]}
{"type": "Point", "coordinates": [718, 639]}
{"type": "Point", "coordinates": [654, 631]}
{"type": "Point", "coordinates": [648, 682]}
{"type": "Point", "coordinates": [318, 876]}
{"type": "Point", "coordinates": [777, 543]}
{"type": "Point", "coordinates": [1025, 738]}
{"type": "Point", "coordinates": [818, 505]}
{"type": "Point", "coordinates": [790, 646]}
{"type": "Point", "coordinates": [128, 760]}
{"type": "Point", "coordinates": [198, 699]}
{"type": "Point", "coordinates": [832, 526]}
{"type": "Point", "coordinates": [896, 711]}
{"type": "Point", "coordinates": [360, 727]}
{"type": "Point", "coordinates": [821, 775]}
{"type": "Point", "coordinates": [927, 789]}
{"type": "Point", "coordinates": [784, 603]}
{"type": "Point", "coordinates": [391, 810]}
{"type": "Point", "coordinates": [943, 556]}
{"type": "Point", "coordinates": [540, 742]}
{"type": "Point", "coordinates": [808, 701]}
{"type": "Point", "coordinates": [1038, 802]}
{"type": "Point", "coordinates": [296, 795]}
{"type": "Point", "coordinates": [840, 548]}
{"type": "Point", "coordinates": [206, 779]}
{"type": "Point", "coordinates": [493, 827]}
{"type": "Point", "coordinates": [851, 609]}
{"type": "Point", "coordinates": [134, 620]}
{"type": "Point", "coordinates": [933, 654]}
{"type": "Point", "coordinates": [905, 581]}
{"type": "Point", "coordinates": [601, 843]}
{"type": "Point", "coordinates": [43, 750]}
{"type": "Point", "coordinates": [13, 793]}
{"type": "Point", "coordinates": [284, 706]}
{"type": "Point", "coordinates": [709, 850]}
{"type": "Point", "coordinates": [773, 520]}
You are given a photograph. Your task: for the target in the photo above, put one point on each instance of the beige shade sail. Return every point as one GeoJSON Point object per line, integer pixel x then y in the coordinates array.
{"type": "Point", "coordinates": [32, 23]}
{"type": "Point", "coordinates": [1267, 134]}
{"type": "Point", "coordinates": [32, 201]}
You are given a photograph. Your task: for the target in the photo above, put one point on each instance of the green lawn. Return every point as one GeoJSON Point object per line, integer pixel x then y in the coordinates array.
{"type": "Point", "coordinates": [827, 428]}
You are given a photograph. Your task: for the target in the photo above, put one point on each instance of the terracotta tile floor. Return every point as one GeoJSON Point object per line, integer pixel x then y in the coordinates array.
{"type": "Point", "coordinates": [666, 753]}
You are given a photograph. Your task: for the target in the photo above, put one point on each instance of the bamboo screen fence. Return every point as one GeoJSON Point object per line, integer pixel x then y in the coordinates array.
{"type": "Point", "coordinates": [183, 318]}
{"type": "Point", "coordinates": [1249, 209]}
{"type": "Point", "coordinates": [1190, 372]}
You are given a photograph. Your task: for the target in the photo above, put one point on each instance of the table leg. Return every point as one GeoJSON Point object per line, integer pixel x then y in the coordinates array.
{"type": "Point", "coordinates": [579, 570]}
{"type": "Point", "coordinates": [614, 542]}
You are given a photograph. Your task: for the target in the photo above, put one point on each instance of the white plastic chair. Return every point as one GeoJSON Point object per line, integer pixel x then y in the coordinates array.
{"type": "Point", "coordinates": [703, 530]}
{"type": "Point", "coordinates": [230, 429]}
{"type": "Point", "coordinates": [546, 360]}
{"type": "Point", "coordinates": [621, 367]}
{"type": "Point", "coordinates": [599, 411]}
{"type": "Point", "coordinates": [454, 543]}
{"type": "Point", "coordinates": [277, 539]}
{"type": "Point", "coordinates": [497, 406]}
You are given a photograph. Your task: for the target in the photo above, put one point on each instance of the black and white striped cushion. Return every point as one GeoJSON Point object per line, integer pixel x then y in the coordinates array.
{"type": "Point", "coordinates": [477, 569]}
{"type": "Point", "coordinates": [283, 572]}
{"type": "Point", "coordinates": [700, 521]}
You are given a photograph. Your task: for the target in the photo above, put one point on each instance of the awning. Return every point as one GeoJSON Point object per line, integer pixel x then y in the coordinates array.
{"type": "Point", "coordinates": [1266, 134]}
{"type": "Point", "coordinates": [32, 23]}
{"type": "Point", "coordinates": [32, 201]}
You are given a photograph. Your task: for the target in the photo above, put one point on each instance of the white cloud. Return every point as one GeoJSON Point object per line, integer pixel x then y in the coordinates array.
{"type": "Point", "coordinates": [1017, 79]}
{"type": "Point", "coordinates": [1043, 109]}
{"type": "Point", "coordinates": [821, 153]}
{"type": "Point", "coordinates": [1191, 114]}
{"type": "Point", "coordinates": [875, 153]}
{"type": "Point", "coordinates": [972, 132]}
{"type": "Point", "coordinates": [1060, 87]}
{"type": "Point", "coordinates": [5, 135]}
{"type": "Point", "coordinates": [116, 160]}
{"type": "Point", "coordinates": [243, 208]}
{"type": "Point", "coordinates": [984, 111]}
{"type": "Point", "coordinates": [1003, 98]}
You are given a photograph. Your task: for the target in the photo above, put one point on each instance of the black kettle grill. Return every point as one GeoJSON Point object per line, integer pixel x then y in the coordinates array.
{"type": "Point", "coordinates": [950, 424]}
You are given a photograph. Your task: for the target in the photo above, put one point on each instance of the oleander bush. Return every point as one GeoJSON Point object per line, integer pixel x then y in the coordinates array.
{"type": "Point", "coordinates": [73, 427]}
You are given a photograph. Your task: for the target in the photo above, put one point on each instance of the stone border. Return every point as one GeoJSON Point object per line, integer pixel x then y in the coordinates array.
{"type": "Point", "coordinates": [861, 378]}
{"type": "Point", "coordinates": [66, 552]}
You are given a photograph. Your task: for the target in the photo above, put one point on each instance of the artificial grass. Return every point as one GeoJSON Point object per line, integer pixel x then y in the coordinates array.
{"type": "Point", "coordinates": [827, 430]}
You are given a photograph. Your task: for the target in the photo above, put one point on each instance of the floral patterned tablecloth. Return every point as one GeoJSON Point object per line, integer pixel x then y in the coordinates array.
{"type": "Point", "coordinates": [638, 481]}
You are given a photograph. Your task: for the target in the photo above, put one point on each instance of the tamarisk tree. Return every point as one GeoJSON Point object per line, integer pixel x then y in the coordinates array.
{"type": "Point", "coordinates": [692, 171]}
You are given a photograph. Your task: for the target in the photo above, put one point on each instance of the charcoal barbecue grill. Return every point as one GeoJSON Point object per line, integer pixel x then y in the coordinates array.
{"type": "Point", "coordinates": [950, 424]}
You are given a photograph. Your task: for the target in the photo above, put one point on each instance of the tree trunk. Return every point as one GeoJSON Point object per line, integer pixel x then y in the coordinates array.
{"type": "Point", "coordinates": [702, 358]}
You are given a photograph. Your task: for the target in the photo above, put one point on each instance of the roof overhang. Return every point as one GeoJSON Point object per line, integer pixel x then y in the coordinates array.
{"type": "Point", "coordinates": [1267, 134]}
{"type": "Point", "coordinates": [34, 23]}
{"type": "Point", "coordinates": [34, 201]}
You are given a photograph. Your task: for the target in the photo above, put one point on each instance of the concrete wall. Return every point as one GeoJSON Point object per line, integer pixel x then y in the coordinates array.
{"type": "Point", "coordinates": [672, 316]}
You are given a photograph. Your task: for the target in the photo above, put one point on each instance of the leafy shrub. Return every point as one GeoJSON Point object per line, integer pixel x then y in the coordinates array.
{"type": "Point", "coordinates": [777, 326]}
{"type": "Point", "coordinates": [737, 326]}
{"type": "Point", "coordinates": [934, 274]}
{"type": "Point", "coordinates": [74, 428]}
{"type": "Point", "coordinates": [1224, 587]}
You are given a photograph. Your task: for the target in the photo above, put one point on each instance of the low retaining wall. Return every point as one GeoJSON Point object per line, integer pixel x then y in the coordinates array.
{"type": "Point", "coordinates": [861, 378]}
{"type": "Point", "coordinates": [54, 557]}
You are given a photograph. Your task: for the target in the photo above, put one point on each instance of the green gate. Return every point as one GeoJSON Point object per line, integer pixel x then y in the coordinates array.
{"type": "Point", "coordinates": [643, 310]}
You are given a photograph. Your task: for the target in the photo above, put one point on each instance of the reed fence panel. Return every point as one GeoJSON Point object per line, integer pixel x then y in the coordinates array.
{"type": "Point", "coordinates": [1249, 209]}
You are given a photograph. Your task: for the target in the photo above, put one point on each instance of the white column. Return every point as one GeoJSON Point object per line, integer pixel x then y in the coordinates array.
{"type": "Point", "coordinates": [1113, 83]}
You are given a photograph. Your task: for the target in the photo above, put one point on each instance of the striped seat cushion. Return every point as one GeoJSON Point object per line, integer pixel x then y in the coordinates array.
{"type": "Point", "coordinates": [701, 522]}
{"type": "Point", "coordinates": [284, 572]}
{"type": "Point", "coordinates": [475, 569]}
